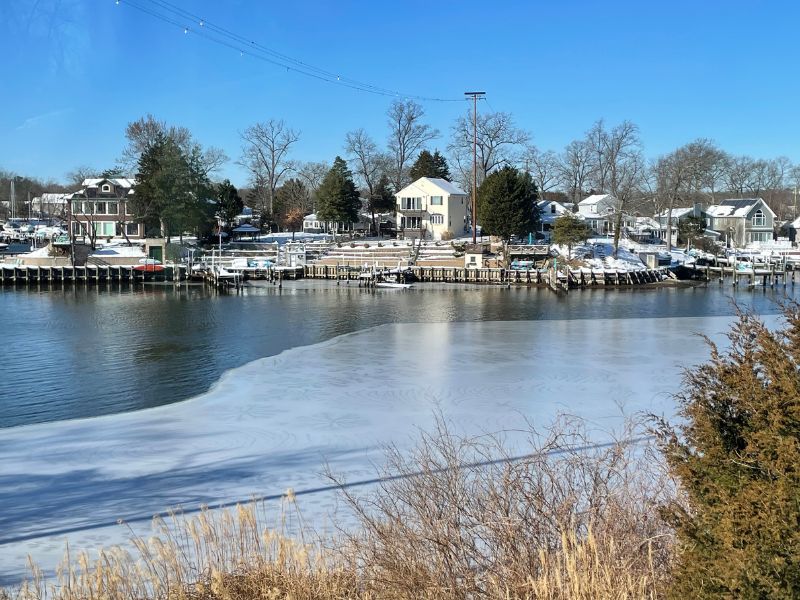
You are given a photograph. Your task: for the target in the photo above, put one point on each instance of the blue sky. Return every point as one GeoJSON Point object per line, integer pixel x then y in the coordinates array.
{"type": "Point", "coordinates": [74, 72]}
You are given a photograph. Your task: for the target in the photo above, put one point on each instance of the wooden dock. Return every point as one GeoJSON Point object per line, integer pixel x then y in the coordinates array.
{"type": "Point", "coordinates": [767, 275]}
{"type": "Point", "coordinates": [561, 280]}
{"type": "Point", "coordinates": [87, 274]}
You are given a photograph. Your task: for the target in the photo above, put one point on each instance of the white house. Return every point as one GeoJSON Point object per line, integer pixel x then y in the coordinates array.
{"type": "Point", "coordinates": [599, 210]}
{"type": "Point", "coordinates": [431, 208]}
{"type": "Point", "coordinates": [742, 221]}
{"type": "Point", "coordinates": [313, 224]}
{"type": "Point", "coordinates": [549, 211]}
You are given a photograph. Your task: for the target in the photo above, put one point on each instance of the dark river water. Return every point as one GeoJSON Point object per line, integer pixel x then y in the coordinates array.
{"type": "Point", "coordinates": [82, 352]}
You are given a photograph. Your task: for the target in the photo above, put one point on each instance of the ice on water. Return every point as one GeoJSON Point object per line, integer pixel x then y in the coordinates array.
{"type": "Point", "coordinates": [274, 423]}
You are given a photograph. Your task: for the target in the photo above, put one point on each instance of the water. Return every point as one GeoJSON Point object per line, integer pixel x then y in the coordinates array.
{"type": "Point", "coordinates": [83, 352]}
{"type": "Point", "coordinates": [487, 359]}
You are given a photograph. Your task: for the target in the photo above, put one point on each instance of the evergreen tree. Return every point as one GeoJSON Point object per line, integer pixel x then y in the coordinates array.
{"type": "Point", "coordinates": [430, 165]}
{"type": "Point", "coordinates": [229, 202]}
{"type": "Point", "coordinates": [383, 200]}
{"type": "Point", "coordinates": [569, 230]}
{"type": "Point", "coordinates": [172, 190]}
{"type": "Point", "coordinates": [507, 204]}
{"type": "Point", "coordinates": [337, 196]}
{"type": "Point", "coordinates": [441, 169]}
{"type": "Point", "coordinates": [735, 454]}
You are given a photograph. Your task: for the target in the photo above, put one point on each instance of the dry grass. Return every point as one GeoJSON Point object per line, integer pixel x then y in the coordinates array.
{"type": "Point", "coordinates": [457, 518]}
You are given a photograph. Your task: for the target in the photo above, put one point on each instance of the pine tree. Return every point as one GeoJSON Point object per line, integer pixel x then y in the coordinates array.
{"type": "Point", "coordinates": [441, 168]}
{"type": "Point", "coordinates": [172, 189]}
{"type": "Point", "coordinates": [229, 203]}
{"type": "Point", "coordinates": [507, 204]}
{"type": "Point", "coordinates": [430, 165]}
{"type": "Point", "coordinates": [735, 454]}
{"type": "Point", "coordinates": [337, 196]}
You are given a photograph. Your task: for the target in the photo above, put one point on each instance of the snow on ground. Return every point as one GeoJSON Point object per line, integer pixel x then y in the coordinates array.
{"type": "Point", "coordinates": [120, 251]}
{"type": "Point", "coordinates": [274, 423]}
{"type": "Point", "coordinates": [599, 254]}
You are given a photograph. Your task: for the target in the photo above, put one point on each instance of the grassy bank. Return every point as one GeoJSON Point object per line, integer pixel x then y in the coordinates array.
{"type": "Point", "coordinates": [459, 518]}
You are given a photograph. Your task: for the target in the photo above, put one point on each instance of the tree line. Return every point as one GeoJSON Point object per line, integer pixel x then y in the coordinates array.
{"type": "Point", "coordinates": [605, 159]}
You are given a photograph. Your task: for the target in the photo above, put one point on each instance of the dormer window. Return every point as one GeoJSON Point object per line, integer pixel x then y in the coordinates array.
{"type": "Point", "coordinates": [105, 188]}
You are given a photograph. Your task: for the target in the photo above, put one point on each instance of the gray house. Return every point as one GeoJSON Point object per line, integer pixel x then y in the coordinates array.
{"type": "Point", "coordinates": [742, 222]}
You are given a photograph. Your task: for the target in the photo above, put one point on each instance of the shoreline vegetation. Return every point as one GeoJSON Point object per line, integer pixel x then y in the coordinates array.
{"type": "Point", "coordinates": [702, 508]}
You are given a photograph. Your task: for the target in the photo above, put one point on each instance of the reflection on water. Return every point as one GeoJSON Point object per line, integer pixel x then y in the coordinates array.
{"type": "Point", "coordinates": [81, 352]}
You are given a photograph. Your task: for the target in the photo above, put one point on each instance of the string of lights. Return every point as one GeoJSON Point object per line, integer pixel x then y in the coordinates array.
{"type": "Point", "coordinates": [189, 23]}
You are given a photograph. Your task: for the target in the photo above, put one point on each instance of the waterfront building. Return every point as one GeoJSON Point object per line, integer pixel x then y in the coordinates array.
{"type": "Point", "coordinates": [742, 222]}
{"type": "Point", "coordinates": [549, 211]}
{"type": "Point", "coordinates": [431, 209]}
{"type": "Point", "coordinates": [600, 211]}
{"type": "Point", "coordinates": [102, 206]}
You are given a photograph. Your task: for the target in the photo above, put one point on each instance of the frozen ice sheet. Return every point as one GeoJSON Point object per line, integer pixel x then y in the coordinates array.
{"type": "Point", "coordinates": [274, 423]}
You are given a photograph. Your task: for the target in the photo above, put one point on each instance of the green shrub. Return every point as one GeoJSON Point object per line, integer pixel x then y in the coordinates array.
{"type": "Point", "coordinates": [736, 456]}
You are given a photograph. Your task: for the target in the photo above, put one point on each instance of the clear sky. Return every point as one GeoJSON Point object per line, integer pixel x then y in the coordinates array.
{"type": "Point", "coordinates": [74, 72]}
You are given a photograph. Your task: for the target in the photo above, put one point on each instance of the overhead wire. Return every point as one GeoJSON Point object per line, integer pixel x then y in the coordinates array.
{"type": "Point", "coordinates": [174, 15]}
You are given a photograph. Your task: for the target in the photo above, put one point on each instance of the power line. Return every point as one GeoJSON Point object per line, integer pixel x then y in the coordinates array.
{"type": "Point", "coordinates": [177, 17]}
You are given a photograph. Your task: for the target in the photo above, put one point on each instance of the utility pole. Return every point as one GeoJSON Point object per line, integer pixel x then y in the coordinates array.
{"type": "Point", "coordinates": [475, 96]}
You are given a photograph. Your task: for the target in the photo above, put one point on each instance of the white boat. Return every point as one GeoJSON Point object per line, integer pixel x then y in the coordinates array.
{"type": "Point", "coordinates": [395, 286]}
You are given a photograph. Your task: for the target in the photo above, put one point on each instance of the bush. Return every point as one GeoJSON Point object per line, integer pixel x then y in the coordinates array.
{"type": "Point", "coordinates": [736, 455]}
{"type": "Point", "coordinates": [447, 236]}
{"type": "Point", "coordinates": [465, 520]}
{"type": "Point", "coordinates": [366, 244]}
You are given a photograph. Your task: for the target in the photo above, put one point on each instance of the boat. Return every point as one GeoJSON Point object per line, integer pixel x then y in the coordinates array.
{"type": "Point", "coordinates": [394, 286]}
{"type": "Point", "coordinates": [149, 265]}
{"type": "Point", "coordinates": [149, 268]}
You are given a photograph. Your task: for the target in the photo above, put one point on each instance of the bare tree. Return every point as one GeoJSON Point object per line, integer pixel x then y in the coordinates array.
{"type": "Point", "coordinates": [687, 175]}
{"type": "Point", "coordinates": [740, 175]}
{"type": "Point", "coordinates": [575, 169]}
{"type": "Point", "coordinates": [143, 133]}
{"type": "Point", "coordinates": [407, 136]}
{"type": "Point", "coordinates": [368, 164]}
{"type": "Point", "coordinates": [265, 155]}
{"type": "Point", "coordinates": [543, 167]}
{"type": "Point", "coordinates": [312, 174]}
{"type": "Point", "coordinates": [500, 142]}
{"type": "Point", "coordinates": [79, 174]}
{"type": "Point", "coordinates": [618, 167]}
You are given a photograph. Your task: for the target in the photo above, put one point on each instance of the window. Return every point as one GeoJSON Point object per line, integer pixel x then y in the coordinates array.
{"type": "Point", "coordinates": [759, 218]}
{"type": "Point", "coordinates": [410, 222]}
{"type": "Point", "coordinates": [104, 228]}
{"type": "Point", "coordinates": [76, 228]}
{"type": "Point", "coordinates": [100, 208]}
{"type": "Point", "coordinates": [436, 200]}
{"type": "Point", "coordinates": [105, 188]}
{"type": "Point", "coordinates": [410, 203]}
{"type": "Point", "coordinates": [437, 219]}
{"type": "Point", "coordinates": [552, 209]}
{"type": "Point", "coordinates": [128, 210]}
{"type": "Point", "coordinates": [132, 228]}
{"type": "Point", "coordinates": [112, 208]}
{"type": "Point", "coordinates": [76, 206]}
{"type": "Point", "coordinates": [760, 236]}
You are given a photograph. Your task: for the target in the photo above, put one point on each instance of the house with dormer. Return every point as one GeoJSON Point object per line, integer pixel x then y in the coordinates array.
{"type": "Point", "coordinates": [431, 209]}
{"type": "Point", "coordinates": [742, 222]}
{"type": "Point", "coordinates": [101, 209]}
{"type": "Point", "coordinates": [600, 213]}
